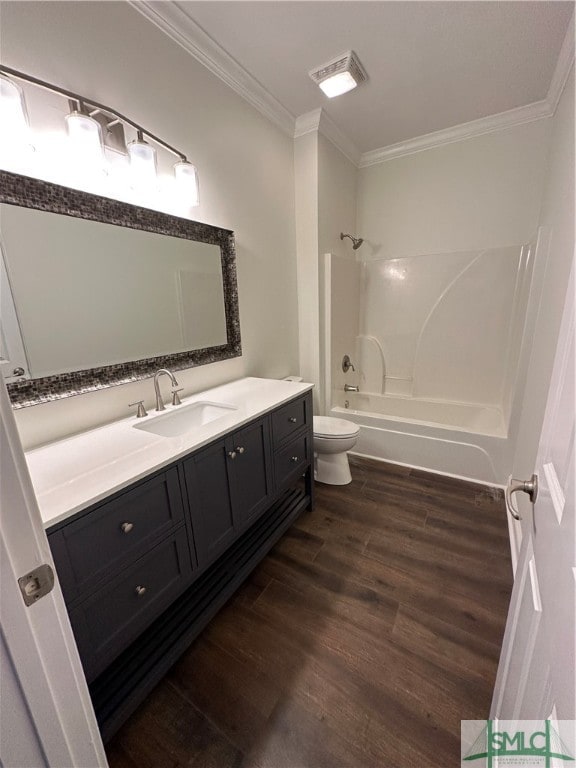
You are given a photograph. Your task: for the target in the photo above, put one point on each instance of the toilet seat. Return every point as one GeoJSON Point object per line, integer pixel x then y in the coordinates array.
{"type": "Point", "coordinates": [330, 427]}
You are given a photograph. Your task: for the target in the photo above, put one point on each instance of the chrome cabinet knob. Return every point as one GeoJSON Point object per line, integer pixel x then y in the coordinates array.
{"type": "Point", "coordinates": [18, 371]}
{"type": "Point", "coordinates": [127, 527]}
{"type": "Point", "coordinates": [140, 590]}
{"type": "Point", "coordinates": [240, 449]}
{"type": "Point", "coordinates": [294, 459]}
{"type": "Point", "coordinates": [232, 454]}
{"type": "Point", "coordinates": [293, 419]}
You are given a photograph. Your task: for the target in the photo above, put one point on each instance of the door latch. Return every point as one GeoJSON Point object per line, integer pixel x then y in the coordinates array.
{"type": "Point", "coordinates": [36, 584]}
{"type": "Point", "coordinates": [526, 486]}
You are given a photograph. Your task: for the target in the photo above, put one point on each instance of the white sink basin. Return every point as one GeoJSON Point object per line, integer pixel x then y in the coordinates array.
{"type": "Point", "coordinates": [185, 418]}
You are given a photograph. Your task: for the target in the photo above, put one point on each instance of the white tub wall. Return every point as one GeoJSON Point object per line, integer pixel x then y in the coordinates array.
{"type": "Point", "coordinates": [245, 165]}
{"type": "Point", "coordinates": [443, 322]}
{"type": "Point", "coordinates": [520, 332]}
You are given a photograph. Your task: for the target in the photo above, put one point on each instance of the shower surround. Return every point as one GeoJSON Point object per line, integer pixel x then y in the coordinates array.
{"type": "Point", "coordinates": [436, 342]}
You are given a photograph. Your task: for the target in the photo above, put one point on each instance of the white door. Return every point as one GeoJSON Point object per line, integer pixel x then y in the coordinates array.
{"type": "Point", "coordinates": [46, 716]}
{"type": "Point", "coordinates": [537, 673]}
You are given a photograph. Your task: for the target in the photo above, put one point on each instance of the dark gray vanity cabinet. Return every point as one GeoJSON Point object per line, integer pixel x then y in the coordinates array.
{"type": "Point", "coordinates": [227, 486]}
{"type": "Point", "coordinates": [121, 564]}
{"type": "Point", "coordinates": [145, 570]}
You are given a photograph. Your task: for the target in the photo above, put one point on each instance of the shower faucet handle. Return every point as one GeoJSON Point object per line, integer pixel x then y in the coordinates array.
{"type": "Point", "coordinates": [347, 364]}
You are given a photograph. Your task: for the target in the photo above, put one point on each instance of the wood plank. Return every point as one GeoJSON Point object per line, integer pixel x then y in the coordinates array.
{"type": "Point", "coordinates": [363, 638]}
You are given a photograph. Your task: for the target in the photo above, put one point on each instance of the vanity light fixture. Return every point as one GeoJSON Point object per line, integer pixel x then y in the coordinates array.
{"type": "Point", "coordinates": [85, 134]}
{"type": "Point", "coordinates": [92, 128]}
{"type": "Point", "coordinates": [339, 75]}
{"type": "Point", "coordinates": [187, 181]}
{"type": "Point", "coordinates": [13, 116]}
{"type": "Point", "coordinates": [142, 162]}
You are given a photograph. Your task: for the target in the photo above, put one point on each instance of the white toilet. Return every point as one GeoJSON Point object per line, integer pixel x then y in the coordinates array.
{"type": "Point", "coordinates": [332, 438]}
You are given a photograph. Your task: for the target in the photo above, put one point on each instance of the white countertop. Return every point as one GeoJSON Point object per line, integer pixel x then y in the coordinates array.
{"type": "Point", "coordinates": [72, 474]}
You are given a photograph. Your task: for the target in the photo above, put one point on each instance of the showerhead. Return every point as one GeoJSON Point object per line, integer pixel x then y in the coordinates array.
{"type": "Point", "coordinates": [356, 241]}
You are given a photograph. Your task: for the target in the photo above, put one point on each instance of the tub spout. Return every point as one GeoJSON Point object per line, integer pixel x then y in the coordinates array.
{"type": "Point", "coordinates": [351, 388]}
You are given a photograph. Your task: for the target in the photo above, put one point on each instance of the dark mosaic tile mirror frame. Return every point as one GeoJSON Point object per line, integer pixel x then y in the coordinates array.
{"type": "Point", "coordinates": [34, 193]}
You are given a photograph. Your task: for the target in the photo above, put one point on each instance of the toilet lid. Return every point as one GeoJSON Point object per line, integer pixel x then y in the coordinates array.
{"type": "Point", "coordinates": [328, 426]}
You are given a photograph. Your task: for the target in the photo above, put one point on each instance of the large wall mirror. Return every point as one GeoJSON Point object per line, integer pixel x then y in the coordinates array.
{"type": "Point", "coordinates": [95, 292]}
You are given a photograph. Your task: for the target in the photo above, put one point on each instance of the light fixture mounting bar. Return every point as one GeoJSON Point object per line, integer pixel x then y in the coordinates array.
{"type": "Point", "coordinates": [93, 104]}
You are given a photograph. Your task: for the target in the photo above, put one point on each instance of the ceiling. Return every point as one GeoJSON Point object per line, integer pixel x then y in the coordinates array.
{"type": "Point", "coordinates": [431, 65]}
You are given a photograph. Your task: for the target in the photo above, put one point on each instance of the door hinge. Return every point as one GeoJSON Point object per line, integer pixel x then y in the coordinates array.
{"type": "Point", "coordinates": [36, 584]}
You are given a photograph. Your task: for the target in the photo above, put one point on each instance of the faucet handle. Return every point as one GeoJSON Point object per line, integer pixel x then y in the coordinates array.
{"type": "Point", "coordinates": [175, 396]}
{"type": "Point", "coordinates": [141, 410]}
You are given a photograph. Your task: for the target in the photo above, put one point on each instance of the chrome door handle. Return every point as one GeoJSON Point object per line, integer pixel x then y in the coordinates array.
{"type": "Point", "coordinates": [526, 486]}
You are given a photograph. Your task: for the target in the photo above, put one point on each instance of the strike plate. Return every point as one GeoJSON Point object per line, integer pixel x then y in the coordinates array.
{"type": "Point", "coordinates": [36, 584]}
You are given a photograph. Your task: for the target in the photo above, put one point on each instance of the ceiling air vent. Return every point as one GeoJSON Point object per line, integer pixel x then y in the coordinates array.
{"type": "Point", "coordinates": [339, 75]}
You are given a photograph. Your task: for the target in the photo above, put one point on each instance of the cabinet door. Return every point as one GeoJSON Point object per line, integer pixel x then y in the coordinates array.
{"type": "Point", "coordinates": [210, 502]}
{"type": "Point", "coordinates": [250, 474]}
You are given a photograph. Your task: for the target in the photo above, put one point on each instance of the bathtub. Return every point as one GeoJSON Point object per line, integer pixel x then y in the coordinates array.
{"type": "Point", "coordinates": [459, 439]}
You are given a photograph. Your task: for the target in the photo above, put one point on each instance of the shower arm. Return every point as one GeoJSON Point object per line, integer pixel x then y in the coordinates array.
{"type": "Point", "coordinates": [356, 241]}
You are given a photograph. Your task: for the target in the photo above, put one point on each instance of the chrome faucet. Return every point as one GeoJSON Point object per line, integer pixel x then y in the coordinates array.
{"type": "Point", "coordinates": [163, 371]}
{"type": "Point", "coordinates": [351, 388]}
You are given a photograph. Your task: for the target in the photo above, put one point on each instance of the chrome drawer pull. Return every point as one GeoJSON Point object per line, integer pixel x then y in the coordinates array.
{"type": "Point", "coordinates": [294, 459]}
{"type": "Point", "coordinates": [240, 449]}
{"type": "Point", "coordinates": [293, 419]}
{"type": "Point", "coordinates": [140, 590]}
{"type": "Point", "coordinates": [127, 527]}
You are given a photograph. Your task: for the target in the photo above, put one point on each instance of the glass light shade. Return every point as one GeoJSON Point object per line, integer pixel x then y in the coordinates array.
{"type": "Point", "coordinates": [85, 136]}
{"type": "Point", "coordinates": [187, 182]}
{"type": "Point", "coordinates": [13, 117]}
{"type": "Point", "coordinates": [338, 84]}
{"type": "Point", "coordinates": [142, 163]}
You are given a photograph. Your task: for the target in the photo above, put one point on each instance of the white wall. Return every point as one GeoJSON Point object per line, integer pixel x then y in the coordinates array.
{"type": "Point", "coordinates": [470, 195]}
{"type": "Point", "coordinates": [337, 178]}
{"type": "Point", "coordinates": [551, 272]}
{"type": "Point", "coordinates": [306, 197]}
{"type": "Point", "coordinates": [444, 230]}
{"type": "Point", "coordinates": [325, 191]}
{"type": "Point", "coordinates": [111, 53]}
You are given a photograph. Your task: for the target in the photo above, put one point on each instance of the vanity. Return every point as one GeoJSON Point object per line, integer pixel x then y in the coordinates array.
{"type": "Point", "coordinates": [153, 520]}
{"type": "Point", "coordinates": [152, 533]}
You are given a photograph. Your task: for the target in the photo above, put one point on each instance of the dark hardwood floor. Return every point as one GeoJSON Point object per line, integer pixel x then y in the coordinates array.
{"type": "Point", "coordinates": [366, 635]}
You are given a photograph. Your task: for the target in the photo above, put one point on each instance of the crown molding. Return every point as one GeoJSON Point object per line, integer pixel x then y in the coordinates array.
{"type": "Point", "coordinates": [490, 124]}
{"type": "Point", "coordinates": [307, 123]}
{"type": "Point", "coordinates": [333, 133]}
{"type": "Point", "coordinates": [319, 121]}
{"type": "Point", "coordinates": [175, 22]}
{"type": "Point", "coordinates": [538, 110]}
{"type": "Point", "coordinates": [563, 67]}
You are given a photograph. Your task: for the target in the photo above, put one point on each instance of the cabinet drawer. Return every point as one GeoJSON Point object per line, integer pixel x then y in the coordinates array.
{"type": "Point", "coordinates": [288, 419]}
{"type": "Point", "coordinates": [109, 620]}
{"type": "Point", "coordinates": [291, 460]}
{"type": "Point", "coordinates": [113, 535]}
